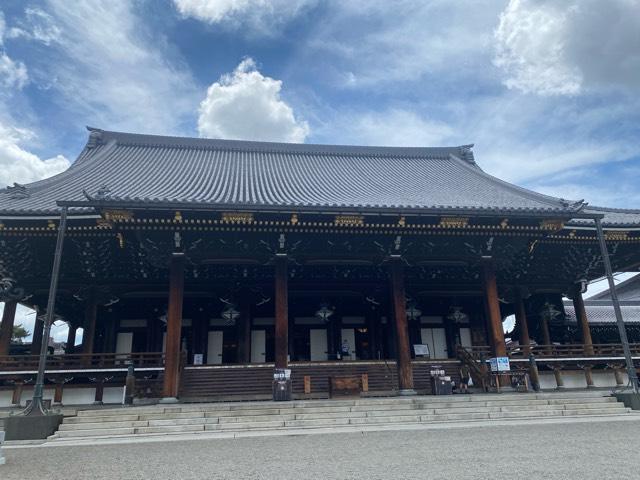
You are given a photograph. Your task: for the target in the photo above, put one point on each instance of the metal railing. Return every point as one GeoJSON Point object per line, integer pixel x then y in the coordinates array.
{"type": "Point", "coordinates": [79, 361]}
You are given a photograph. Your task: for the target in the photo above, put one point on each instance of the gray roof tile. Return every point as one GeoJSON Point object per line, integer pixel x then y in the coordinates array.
{"type": "Point", "coordinates": [155, 169]}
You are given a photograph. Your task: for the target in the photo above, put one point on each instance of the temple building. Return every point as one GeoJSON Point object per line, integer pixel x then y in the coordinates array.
{"type": "Point", "coordinates": [207, 263]}
{"type": "Point", "coordinates": [600, 313]}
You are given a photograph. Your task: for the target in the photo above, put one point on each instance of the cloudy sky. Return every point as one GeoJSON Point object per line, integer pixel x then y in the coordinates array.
{"type": "Point", "coordinates": [547, 90]}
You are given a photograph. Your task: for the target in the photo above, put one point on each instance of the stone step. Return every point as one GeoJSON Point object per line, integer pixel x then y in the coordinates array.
{"type": "Point", "coordinates": [308, 423]}
{"type": "Point", "coordinates": [176, 413]}
{"type": "Point", "coordinates": [155, 409]}
{"type": "Point", "coordinates": [198, 419]}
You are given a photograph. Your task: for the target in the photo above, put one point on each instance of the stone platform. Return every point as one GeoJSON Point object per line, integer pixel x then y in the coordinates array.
{"type": "Point", "coordinates": [157, 420]}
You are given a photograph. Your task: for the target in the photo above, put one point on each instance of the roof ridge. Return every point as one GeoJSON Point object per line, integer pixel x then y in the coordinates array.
{"type": "Point", "coordinates": [99, 136]}
{"type": "Point", "coordinates": [613, 209]}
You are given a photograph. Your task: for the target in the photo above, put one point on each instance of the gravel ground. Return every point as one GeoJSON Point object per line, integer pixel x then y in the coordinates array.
{"type": "Point", "coordinates": [551, 451]}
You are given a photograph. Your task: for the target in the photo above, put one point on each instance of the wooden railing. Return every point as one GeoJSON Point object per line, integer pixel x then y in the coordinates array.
{"type": "Point", "coordinates": [557, 351]}
{"type": "Point", "coordinates": [82, 361]}
{"type": "Point", "coordinates": [572, 351]}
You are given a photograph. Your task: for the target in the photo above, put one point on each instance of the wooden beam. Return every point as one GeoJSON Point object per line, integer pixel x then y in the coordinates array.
{"type": "Point", "coordinates": [6, 327]}
{"type": "Point", "coordinates": [244, 329]}
{"type": "Point", "coordinates": [493, 310]}
{"type": "Point", "coordinates": [583, 321]}
{"type": "Point", "coordinates": [282, 312]}
{"type": "Point", "coordinates": [521, 321]}
{"type": "Point", "coordinates": [71, 338]}
{"type": "Point", "coordinates": [36, 340]}
{"type": "Point", "coordinates": [89, 331]}
{"type": "Point", "coordinates": [405, 370]}
{"type": "Point", "coordinates": [174, 328]}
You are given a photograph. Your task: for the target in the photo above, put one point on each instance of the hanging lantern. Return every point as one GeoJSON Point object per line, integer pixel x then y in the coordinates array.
{"type": "Point", "coordinates": [413, 312]}
{"type": "Point", "coordinates": [324, 312]}
{"type": "Point", "coordinates": [549, 312]}
{"type": "Point", "coordinates": [457, 315]}
{"type": "Point", "coordinates": [230, 314]}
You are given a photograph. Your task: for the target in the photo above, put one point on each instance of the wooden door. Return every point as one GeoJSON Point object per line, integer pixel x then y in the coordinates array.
{"type": "Point", "coordinates": [318, 344]}
{"type": "Point", "coordinates": [436, 338]}
{"type": "Point", "coordinates": [214, 347]}
{"type": "Point", "coordinates": [258, 346]}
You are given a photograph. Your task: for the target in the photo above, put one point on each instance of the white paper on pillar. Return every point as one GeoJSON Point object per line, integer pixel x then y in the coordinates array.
{"type": "Point", "coordinates": [214, 347]}
{"type": "Point", "coordinates": [349, 334]}
{"type": "Point", "coordinates": [258, 346]}
{"type": "Point", "coordinates": [318, 341]}
{"type": "Point", "coordinates": [436, 338]}
{"type": "Point", "coordinates": [465, 337]}
{"type": "Point", "coordinates": [124, 342]}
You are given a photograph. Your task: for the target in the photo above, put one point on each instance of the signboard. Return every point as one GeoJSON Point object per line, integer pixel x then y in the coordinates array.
{"type": "Point", "coordinates": [282, 374]}
{"type": "Point", "coordinates": [198, 358]}
{"type": "Point", "coordinates": [421, 350]}
{"type": "Point", "coordinates": [500, 364]}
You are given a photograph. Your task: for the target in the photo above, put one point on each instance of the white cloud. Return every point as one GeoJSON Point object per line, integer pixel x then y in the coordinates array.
{"type": "Point", "coordinates": [247, 105]}
{"type": "Point", "coordinates": [561, 48]}
{"type": "Point", "coordinates": [37, 25]}
{"type": "Point", "coordinates": [112, 71]}
{"type": "Point", "coordinates": [262, 16]}
{"type": "Point", "coordinates": [13, 74]}
{"type": "Point", "coordinates": [21, 166]}
{"type": "Point", "coordinates": [365, 43]}
{"type": "Point", "coordinates": [392, 127]}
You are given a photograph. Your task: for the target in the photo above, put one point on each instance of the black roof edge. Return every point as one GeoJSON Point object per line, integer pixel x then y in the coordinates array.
{"type": "Point", "coordinates": [186, 206]}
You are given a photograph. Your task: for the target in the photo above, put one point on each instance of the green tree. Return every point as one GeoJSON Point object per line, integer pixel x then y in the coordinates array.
{"type": "Point", "coordinates": [19, 332]}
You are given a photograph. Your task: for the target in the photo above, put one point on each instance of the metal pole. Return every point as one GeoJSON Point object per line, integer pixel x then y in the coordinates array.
{"type": "Point", "coordinates": [37, 407]}
{"type": "Point", "coordinates": [631, 370]}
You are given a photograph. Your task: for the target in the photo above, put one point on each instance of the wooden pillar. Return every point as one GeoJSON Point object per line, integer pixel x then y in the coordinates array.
{"type": "Point", "coordinates": [174, 329]}
{"type": "Point", "coordinates": [372, 319]}
{"type": "Point", "coordinates": [71, 338]}
{"type": "Point", "coordinates": [244, 330]}
{"type": "Point", "coordinates": [89, 331]}
{"type": "Point", "coordinates": [282, 312]}
{"type": "Point", "coordinates": [523, 325]}
{"type": "Point", "coordinates": [559, 380]}
{"type": "Point", "coordinates": [546, 335]}
{"type": "Point", "coordinates": [17, 392]}
{"type": "Point", "coordinates": [493, 311]}
{"type": "Point", "coordinates": [36, 339]}
{"type": "Point", "coordinates": [405, 369]}
{"type": "Point", "coordinates": [57, 393]}
{"type": "Point", "coordinates": [331, 338]}
{"type": "Point", "coordinates": [583, 322]}
{"type": "Point", "coordinates": [588, 376]}
{"type": "Point", "coordinates": [6, 327]}
{"type": "Point", "coordinates": [97, 399]}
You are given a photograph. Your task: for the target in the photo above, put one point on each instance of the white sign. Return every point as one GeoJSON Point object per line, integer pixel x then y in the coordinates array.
{"type": "Point", "coordinates": [198, 358]}
{"type": "Point", "coordinates": [500, 364]}
{"type": "Point", "coordinates": [421, 350]}
{"type": "Point", "coordinates": [282, 374]}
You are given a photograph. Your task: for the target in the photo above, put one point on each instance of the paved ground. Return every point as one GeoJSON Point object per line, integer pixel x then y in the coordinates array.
{"type": "Point", "coordinates": [585, 450]}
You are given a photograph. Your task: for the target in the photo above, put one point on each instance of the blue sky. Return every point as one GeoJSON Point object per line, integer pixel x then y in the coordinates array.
{"type": "Point", "coordinates": [548, 91]}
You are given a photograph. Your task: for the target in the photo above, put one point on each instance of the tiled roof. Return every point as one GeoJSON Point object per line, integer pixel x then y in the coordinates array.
{"type": "Point", "coordinates": [613, 217]}
{"type": "Point", "coordinates": [602, 312]}
{"type": "Point", "coordinates": [627, 290]}
{"type": "Point", "coordinates": [174, 170]}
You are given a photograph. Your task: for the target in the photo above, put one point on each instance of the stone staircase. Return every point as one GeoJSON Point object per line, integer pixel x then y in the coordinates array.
{"type": "Point", "coordinates": [127, 422]}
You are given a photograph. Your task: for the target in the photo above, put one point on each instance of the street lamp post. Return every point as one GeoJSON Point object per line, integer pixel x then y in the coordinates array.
{"type": "Point", "coordinates": [37, 407]}
{"type": "Point", "coordinates": [631, 370]}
